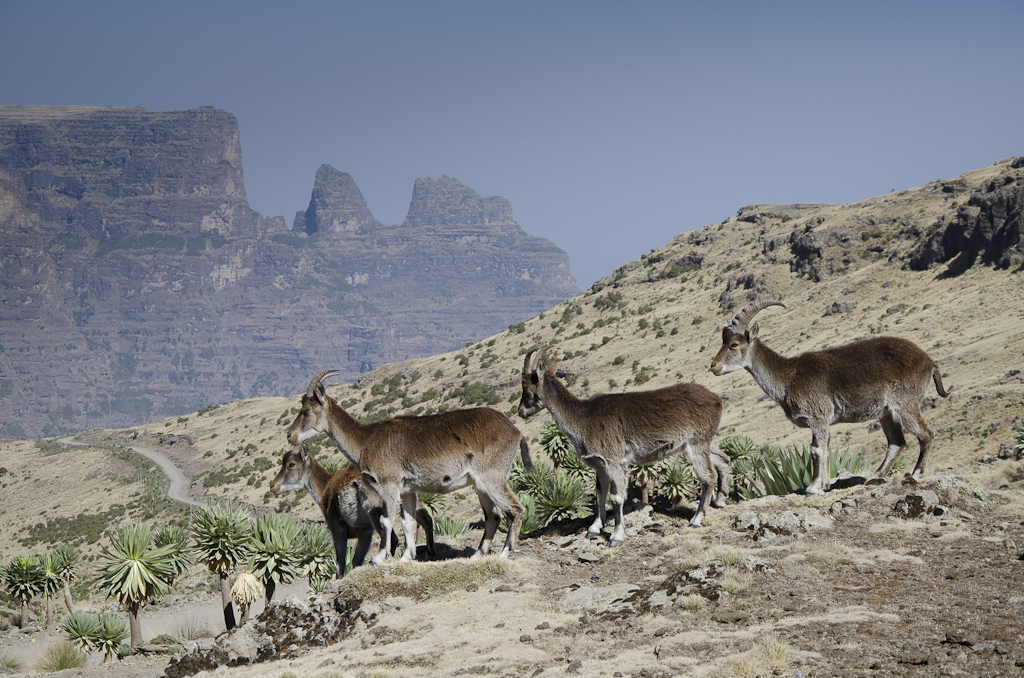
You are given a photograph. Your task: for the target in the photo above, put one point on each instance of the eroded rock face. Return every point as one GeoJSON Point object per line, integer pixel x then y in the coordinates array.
{"type": "Point", "coordinates": [136, 282]}
{"type": "Point", "coordinates": [988, 229]}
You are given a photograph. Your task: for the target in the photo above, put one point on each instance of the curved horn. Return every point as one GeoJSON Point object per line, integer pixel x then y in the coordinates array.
{"type": "Point", "coordinates": [316, 380]}
{"type": "Point", "coordinates": [529, 361]}
{"type": "Point", "coordinates": [742, 318]}
{"type": "Point", "coordinates": [533, 358]}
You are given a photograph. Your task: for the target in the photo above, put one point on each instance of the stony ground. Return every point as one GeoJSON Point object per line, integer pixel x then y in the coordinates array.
{"type": "Point", "coordinates": [854, 583]}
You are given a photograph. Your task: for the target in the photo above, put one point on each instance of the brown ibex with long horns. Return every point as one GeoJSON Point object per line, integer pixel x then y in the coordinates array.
{"type": "Point", "coordinates": [883, 378]}
{"type": "Point", "coordinates": [437, 453]}
{"type": "Point", "coordinates": [347, 507]}
{"type": "Point", "coordinates": [612, 431]}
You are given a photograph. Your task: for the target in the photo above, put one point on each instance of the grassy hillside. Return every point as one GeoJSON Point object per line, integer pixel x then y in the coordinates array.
{"type": "Point", "coordinates": [651, 323]}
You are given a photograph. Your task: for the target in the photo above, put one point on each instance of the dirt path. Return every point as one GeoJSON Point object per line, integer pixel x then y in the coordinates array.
{"type": "Point", "coordinates": [179, 481]}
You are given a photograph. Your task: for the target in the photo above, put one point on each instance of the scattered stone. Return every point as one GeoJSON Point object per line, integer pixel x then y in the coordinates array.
{"type": "Point", "coordinates": [770, 527]}
{"type": "Point", "coordinates": [730, 617]}
{"type": "Point", "coordinates": [923, 502]}
{"type": "Point", "coordinates": [574, 666]}
{"type": "Point", "coordinates": [913, 658]}
{"type": "Point", "coordinates": [543, 626]}
{"type": "Point", "coordinates": [589, 557]}
{"type": "Point", "coordinates": [525, 638]}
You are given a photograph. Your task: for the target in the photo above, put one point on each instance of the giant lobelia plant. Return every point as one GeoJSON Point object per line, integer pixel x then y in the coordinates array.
{"type": "Point", "coordinates": [134, 571]}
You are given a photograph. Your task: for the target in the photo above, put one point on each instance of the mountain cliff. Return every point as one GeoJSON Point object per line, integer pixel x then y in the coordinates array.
{"type": "Point", "coordinates": [136, 282]}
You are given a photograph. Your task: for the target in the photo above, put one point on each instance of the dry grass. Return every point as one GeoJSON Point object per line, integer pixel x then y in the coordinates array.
{"type": "Point", "coordinates": [768, 655]}
{"type": "Point", "coordinates": [61, 656]}
{"type": "Point", "coordinates": [11, 662]}
{"type": "Point", "coordinates": [423, 581]}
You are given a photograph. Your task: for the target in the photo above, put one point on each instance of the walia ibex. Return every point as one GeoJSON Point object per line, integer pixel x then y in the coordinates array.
{"type": "Point", "coordinates": [436, 453]}
{"type": "Point", "coordinates": [612, 431]}
{"type": "Point", "coordinates": [347, 507]}
{"type": "Point", "coordinates": [883, 378]}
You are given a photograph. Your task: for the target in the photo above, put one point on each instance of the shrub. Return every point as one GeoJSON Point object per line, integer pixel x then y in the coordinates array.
{"type": "Point", "coordinates": [476, 393]}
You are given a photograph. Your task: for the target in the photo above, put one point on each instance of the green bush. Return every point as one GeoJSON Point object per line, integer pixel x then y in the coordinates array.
{"type": "Point", "coordinates": [476, 393]}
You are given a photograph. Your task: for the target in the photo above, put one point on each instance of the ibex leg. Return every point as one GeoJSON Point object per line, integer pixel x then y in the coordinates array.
{"type": "Point", "coordinates": [821, 481]}
{"type": "Point", "coordinates": [894, 436]}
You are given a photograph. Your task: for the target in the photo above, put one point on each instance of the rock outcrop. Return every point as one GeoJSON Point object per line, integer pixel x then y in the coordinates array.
{"type": "Point", "coordinates": [136, 282]}
{"type": "Point", "coordinates": [988, 229]}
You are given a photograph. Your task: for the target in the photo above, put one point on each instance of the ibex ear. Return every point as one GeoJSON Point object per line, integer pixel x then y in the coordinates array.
{"type": "Point", "coordinates": [552, 366]}
{"type": "Point", "coordinates": [304, 453]}
{"type": "Point", "coordinates": [321, 394]}
{"type": "Point", "coordinates": [752, 332]}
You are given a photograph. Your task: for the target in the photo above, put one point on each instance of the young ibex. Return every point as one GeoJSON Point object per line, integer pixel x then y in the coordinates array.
{"type": "Point", "coordinates": [437, 453]}
{"type": "Point", "coordinates": [347, 507]}
{"type": "Point", "coordinates": [883, 378]}
{"type": "Point", "coordinates": [612, 431]}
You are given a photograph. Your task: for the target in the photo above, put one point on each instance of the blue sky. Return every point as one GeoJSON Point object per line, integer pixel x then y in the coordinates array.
{"type": "Point", "coordinates": [610, 126]}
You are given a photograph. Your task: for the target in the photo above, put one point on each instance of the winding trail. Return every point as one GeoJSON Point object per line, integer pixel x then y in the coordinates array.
{"type": "Point", "coordinates": [179, 481]}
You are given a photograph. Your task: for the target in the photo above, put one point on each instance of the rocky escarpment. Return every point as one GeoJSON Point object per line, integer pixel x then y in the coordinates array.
{"type": "Point", "coordinates": [136, 282]}
{"type": "Point", "coordinates": [457, 255]}
{"type": "Point", "coordinates": [988, 229]}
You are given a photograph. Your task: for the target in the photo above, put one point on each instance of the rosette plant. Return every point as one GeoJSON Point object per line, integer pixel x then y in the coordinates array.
{"type": "Point", "coordinates": [176, 537]}
{"type": "Point", "coordinates": [24, 580]}
{"type": "Point", "coordinates": [51, 583]}
{"type": "Point", "coordinates": [223, 539]}
{"type": "Point", "coordinates": [275, 551]}
{"type": "Point", "coordinates": [83, 630]}
{"type": "Point", "coordinates": [134, 571]}
{"type": "Point", "coordinates": [68, 559]}
{"type": "Point", "coordinates": [110, 634]}
{"type": "Point", "coordinates": [316, 555]}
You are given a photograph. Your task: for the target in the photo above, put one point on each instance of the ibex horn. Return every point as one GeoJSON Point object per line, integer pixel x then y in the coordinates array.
{"type": "Point", "coordinates": [533, 358]}
{"type": "Point", "coordinates": [317, 378]}
{"type": "Point", "coordinates": [742, 318]}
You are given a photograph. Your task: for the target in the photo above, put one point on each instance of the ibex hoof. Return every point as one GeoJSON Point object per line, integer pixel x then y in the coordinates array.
{"type": "Point", "coordinates": [614, 542]}
{"type": "Point", "coordinates": [593, 535]}
{"type": "Point", "coordinates": [718, 502]}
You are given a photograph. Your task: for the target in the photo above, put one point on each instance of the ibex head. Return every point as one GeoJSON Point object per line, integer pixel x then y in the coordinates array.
{"type": "Point", "coordinates": [533, 375]}
{"type": "Point", "coordinates": [736, 338]}
{"type": "Point", "coordinates": [294, 466]}
{"type": "Point", "coordinates": [312, 418]}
